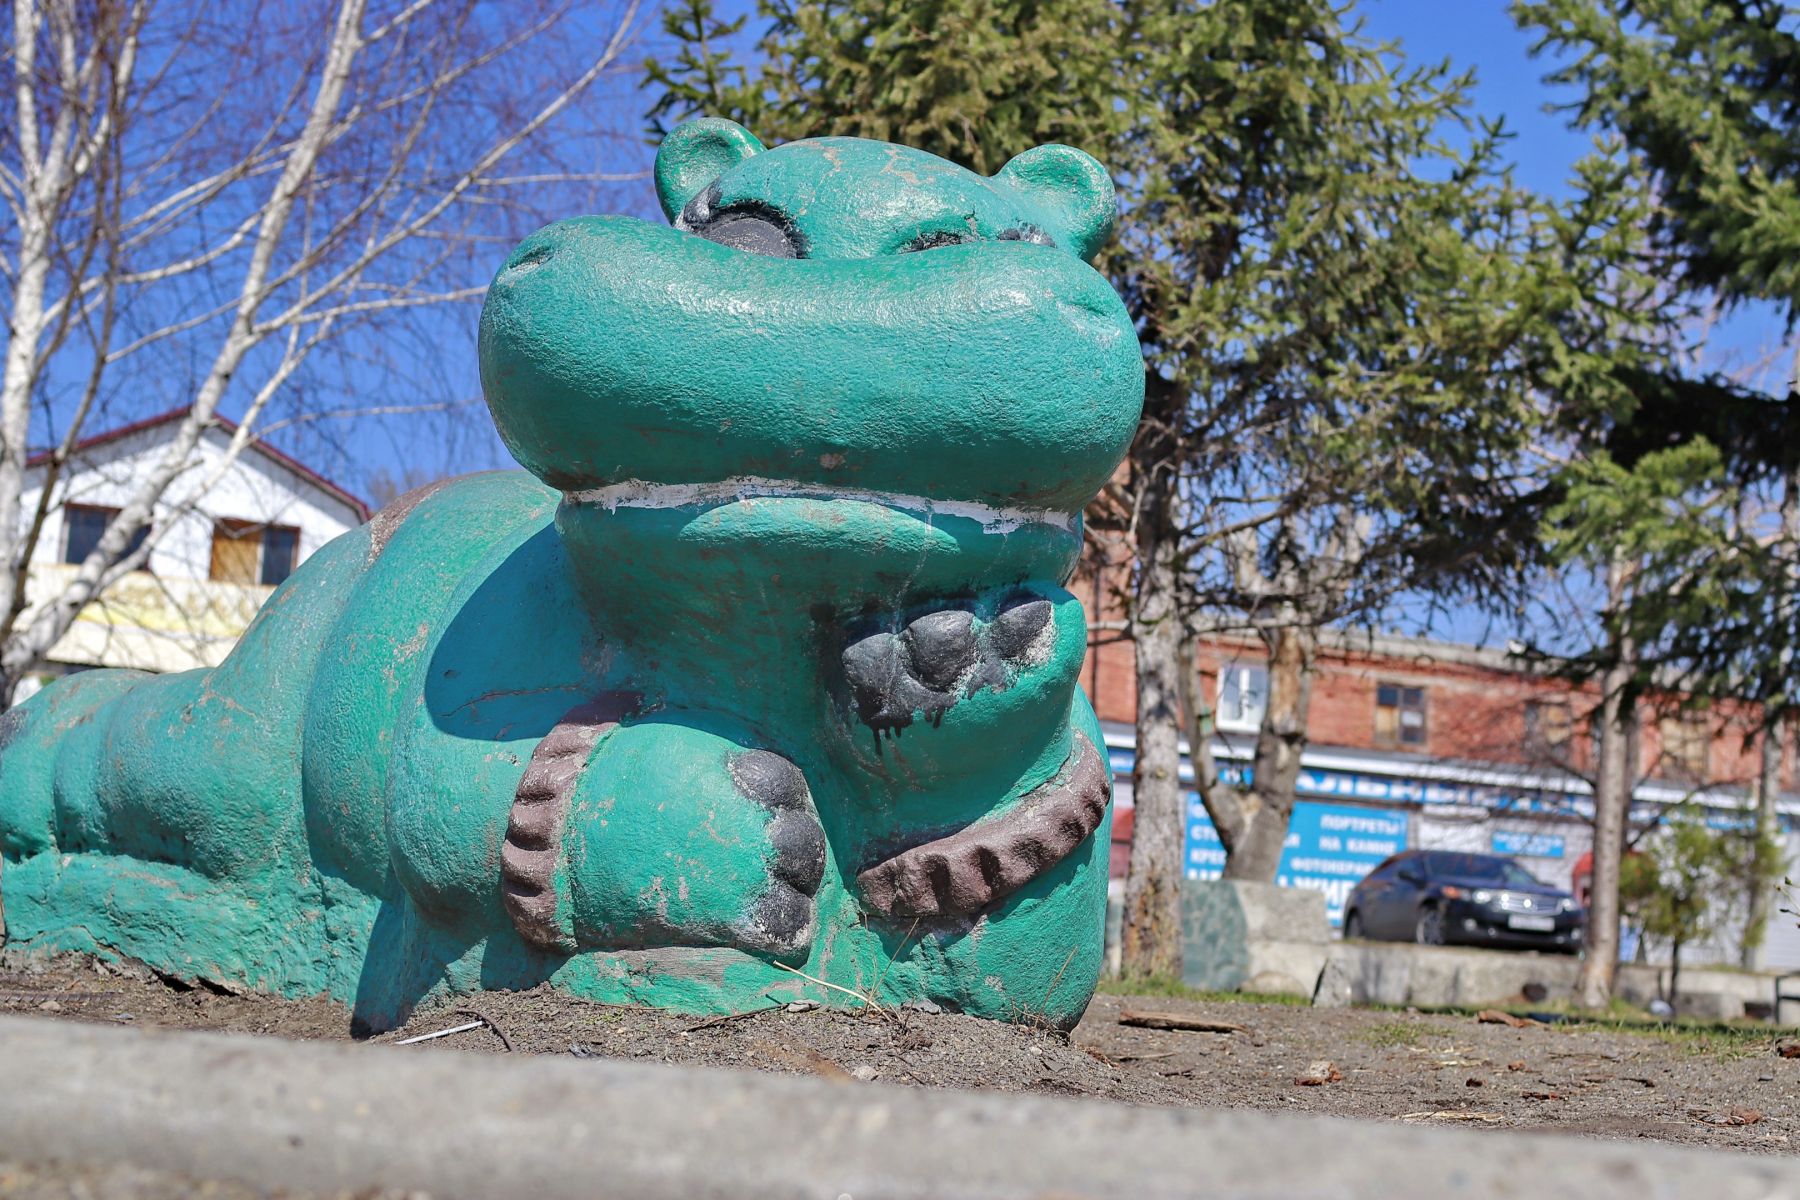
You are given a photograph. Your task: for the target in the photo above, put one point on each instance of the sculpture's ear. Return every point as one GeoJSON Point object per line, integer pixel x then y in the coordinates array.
{"type": "Point", "coordinates": [694, 154]}
{"type": "Point", "coordinates": [1073, 189]}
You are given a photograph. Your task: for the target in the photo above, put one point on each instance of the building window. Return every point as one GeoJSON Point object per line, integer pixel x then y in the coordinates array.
{"type": "Point", "coordinates": [83, 525]}
{"type": "Point", "coordinates": [1243, 696]}
{"type": "Point", "coordinates": [249, 552]}
{"type": "Point", "coordinates": [1685, 742]}
{"type": "Point", "coordinates": [280, 547]}
{"type": "Point", "coordinates": [1399, 715]}
{"type": "Point", "coordinates": [1549, 724]}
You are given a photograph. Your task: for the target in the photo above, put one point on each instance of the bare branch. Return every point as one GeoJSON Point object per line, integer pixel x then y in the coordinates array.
{"type": "Point", "coordinates": [386, 303]}
{"type": "Point", "coordinates": [397, 22]}
{"type": "Point", "coordinates": [355, 227]}
{"type": "Point", "coordinates": [468, 179]}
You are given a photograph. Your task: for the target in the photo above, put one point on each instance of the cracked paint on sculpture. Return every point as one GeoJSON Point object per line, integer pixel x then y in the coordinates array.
{"type": "Point", "coordinates": [763, 679]}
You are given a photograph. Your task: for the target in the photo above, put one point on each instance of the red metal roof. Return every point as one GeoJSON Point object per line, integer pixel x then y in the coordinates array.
{"type": "Point", "coordinates": [230, 427]}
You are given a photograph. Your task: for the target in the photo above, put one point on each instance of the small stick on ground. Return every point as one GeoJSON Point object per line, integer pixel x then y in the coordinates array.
{"type": "Point", "coordinates": [866, 999]}
{"type": "Point", "coordinates": [426, 1037]}
{"type": "Point", "coordinates": [1057, 978]}
{"type": "Point", "coordinates": [894, 957]}
{"type": "Point", "coordinates": [1494, 1016]}
{"type": "Point", "coordinates": [505, 1042]}
{"type": "Point", "coordinates": [727, 1018]}
{"type": "Point", "coordinates": [1175, 1021]}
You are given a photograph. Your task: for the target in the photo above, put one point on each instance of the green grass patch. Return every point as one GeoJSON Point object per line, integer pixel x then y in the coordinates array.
{"type": "Point", "coordinates": [1690, 1034]}
{"type": "Point", "coordinates": [1171, 988]}
{"type": "Point", "coordinates": [1708, 1039]}
{"type": "Point", "coordinates": [1389, 1034]}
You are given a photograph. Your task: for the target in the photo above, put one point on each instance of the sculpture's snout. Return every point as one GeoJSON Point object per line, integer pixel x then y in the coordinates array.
{"type": "Point", "coordinates": [613, 350]}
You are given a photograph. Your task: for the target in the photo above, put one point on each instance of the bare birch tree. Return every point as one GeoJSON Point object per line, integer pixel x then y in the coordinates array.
{"type": "Point", "coordinates": [201, 203]}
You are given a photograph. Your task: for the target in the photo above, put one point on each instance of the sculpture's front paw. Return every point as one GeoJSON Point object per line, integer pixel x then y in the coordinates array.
{"type": "Point", "coordinates": [678, 836]}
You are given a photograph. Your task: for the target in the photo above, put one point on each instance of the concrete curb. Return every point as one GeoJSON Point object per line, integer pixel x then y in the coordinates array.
{"type": "Point", "coordinates": [321, 1117]}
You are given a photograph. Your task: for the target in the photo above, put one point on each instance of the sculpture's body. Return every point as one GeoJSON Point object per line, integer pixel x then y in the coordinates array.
{"type": "Point", "coordinates": [772, 672]}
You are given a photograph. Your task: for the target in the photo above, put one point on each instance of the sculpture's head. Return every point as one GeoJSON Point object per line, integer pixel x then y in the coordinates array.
{"type": "Point", "coordinates": [831, 317]}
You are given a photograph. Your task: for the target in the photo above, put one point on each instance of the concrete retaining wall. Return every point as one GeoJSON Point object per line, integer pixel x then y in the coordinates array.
{"type": "Point", "coordinates": [320, 1117]}
{"type": "Point", "coordinates": [1401, 973]}
{"type": "Point", "coordinates": [1707, 992]}
{"type": "Point", "coordinates": [1252, 936]}
{"type": "Point", "coordinates": [1231, 935]}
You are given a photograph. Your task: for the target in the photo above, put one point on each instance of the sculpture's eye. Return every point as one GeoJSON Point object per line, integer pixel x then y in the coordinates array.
{"type": "Point", "coordinates": [749, 233]}
{"type": "Point", "coordinates": [751, 229]}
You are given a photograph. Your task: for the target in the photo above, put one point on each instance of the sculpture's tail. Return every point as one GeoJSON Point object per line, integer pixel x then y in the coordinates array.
{"type": "Point", "coordinates": [57, 724]}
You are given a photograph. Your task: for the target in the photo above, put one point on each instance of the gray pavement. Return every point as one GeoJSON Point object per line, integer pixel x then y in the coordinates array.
{"type": "Point", "coordinates": [325, 1117]}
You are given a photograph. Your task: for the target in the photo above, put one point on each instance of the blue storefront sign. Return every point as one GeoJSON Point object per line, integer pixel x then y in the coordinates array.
{"type": "Point", "coordinates": [1528, 845]}
{"type": "Point", "coordinates": [1388, 789]}
{"type": "Point", "coordinates": [1330, 847]}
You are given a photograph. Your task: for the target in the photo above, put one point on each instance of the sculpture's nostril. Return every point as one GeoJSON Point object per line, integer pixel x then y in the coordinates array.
{"type": "Point", "coordinates": [527, 257]}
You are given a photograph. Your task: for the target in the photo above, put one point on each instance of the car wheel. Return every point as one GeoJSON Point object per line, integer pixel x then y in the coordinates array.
{"type": "Point", "coordinates": [1430, 928]}
{"type": "Point", "coordinates": [1353, 926]}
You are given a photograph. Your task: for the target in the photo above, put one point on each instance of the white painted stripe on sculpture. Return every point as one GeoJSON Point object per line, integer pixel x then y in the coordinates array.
{"type": "Point", "coordinates": [636, 493]}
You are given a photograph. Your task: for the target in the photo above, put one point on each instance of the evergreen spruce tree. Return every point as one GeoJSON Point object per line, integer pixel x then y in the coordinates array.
{"type": "Point", "coordinates": [1349, 313]}
{"type": "Point", "coordinates": [1697, 482]}
{"type": "Point", "coordinates": [1708, 93]}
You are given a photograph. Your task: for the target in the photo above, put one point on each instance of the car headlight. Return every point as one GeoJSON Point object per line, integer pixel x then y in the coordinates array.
{"type": "Point", "coordinates": [1567, 905]}
{"type": "Point", "coordinates": [1482, 896]}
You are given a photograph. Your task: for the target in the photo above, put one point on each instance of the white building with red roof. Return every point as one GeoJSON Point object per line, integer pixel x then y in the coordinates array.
{"type": "Point", "coordinates": [210, 567]}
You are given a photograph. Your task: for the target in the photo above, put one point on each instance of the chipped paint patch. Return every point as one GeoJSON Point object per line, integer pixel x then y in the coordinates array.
{"type": "Point", "coordinates": [636, 493]}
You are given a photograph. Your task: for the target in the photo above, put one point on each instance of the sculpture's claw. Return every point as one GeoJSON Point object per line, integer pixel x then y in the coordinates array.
{"type": "Point", "coordinates": [769, 779]}
{"type": "Point", "coordinates": [794, 832]}
{"type": "Point", "coordinates": [781, 919]}
{"type": "Point", "coordinates": [940, 657]}
{"type": "Point", "coordinates": [887, 694]}
{"type": "Point", "coordinates": [1016, 626]}
{"type": "Point", "coordinates": [941, 647]}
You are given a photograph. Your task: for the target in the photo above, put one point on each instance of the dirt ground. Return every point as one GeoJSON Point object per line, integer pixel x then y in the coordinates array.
{"type": "Point", "coordinates": [1723, 1088]}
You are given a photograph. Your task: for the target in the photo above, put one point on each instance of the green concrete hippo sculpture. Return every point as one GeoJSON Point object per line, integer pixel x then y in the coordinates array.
{"type": "Point", "coordinates": [760, 685]}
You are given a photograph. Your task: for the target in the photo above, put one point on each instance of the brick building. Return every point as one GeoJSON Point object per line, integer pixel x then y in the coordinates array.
{"type": "Point", "coordinates": [1417, 743]}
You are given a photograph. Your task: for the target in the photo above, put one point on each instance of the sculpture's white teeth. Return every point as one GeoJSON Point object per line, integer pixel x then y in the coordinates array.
{"type": "Point", "coordinates": [635, 493]}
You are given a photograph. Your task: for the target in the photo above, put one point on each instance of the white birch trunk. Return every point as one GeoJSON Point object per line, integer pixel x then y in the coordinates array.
{"type": "Point", "coordinates": [298, 280]}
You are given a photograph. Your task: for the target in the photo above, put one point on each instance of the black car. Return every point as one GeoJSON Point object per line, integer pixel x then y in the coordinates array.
{"type": "Point", "coordinates": [1437, 897]}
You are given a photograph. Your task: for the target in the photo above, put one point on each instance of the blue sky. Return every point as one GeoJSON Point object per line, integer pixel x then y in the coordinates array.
{"type": "Point", "coordinates": [1544, 149]}
{"type": "Point", "coordinates": [1470, 33]}
{"type": "Point", "coordinates": [1479, 34]}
